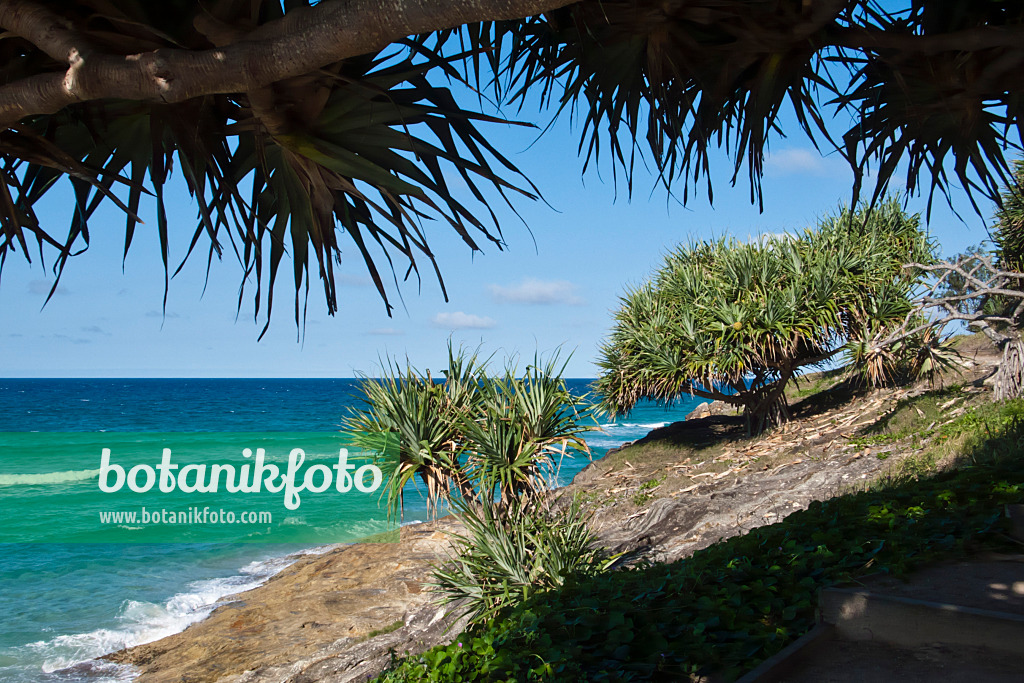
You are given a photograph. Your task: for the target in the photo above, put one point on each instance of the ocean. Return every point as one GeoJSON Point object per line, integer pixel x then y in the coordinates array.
{"type": "Point", "coordinates": [67, 603]}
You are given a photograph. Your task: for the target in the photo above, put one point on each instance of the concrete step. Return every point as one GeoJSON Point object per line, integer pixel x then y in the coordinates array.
{"type": "Point", "coordinates": [910, 622]}
{"type": "Point", "coordinates": [960, 622]}
{"type": "Point", "coordinates": [847, 661]}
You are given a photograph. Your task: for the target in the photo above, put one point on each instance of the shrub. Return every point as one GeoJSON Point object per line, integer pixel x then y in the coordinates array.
{"type": "Point", "coordinates": [506, 559]}
{"type": "Point", "coordinates": [471, 433]}
{"type": "Point", "coordinates": [735, 321]}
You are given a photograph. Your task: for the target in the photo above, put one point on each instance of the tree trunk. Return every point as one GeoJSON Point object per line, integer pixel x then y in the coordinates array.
{"type": "Point", "coordinates": [768, 407]}
{"type": "Point", "coordinates": [772, 411]}
{"type": "Point", "coordinates": [1009, 379]}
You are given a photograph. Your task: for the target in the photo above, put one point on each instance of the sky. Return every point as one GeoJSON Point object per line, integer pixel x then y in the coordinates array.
{"type": "Point", "coordinates": [553, 288]}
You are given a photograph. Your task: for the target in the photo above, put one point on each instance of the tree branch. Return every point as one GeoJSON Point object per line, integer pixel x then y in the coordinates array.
{"type": "Point", "coordinates": [712, 394]}
{"type": "Point", "coordinates": [984, 279]}
{"type": "Point", "coordinates": [968, 40]}
{"type": "Point", "coordinates": [37, 24]}
{"type": "Point", "coordinates": [302, 41]}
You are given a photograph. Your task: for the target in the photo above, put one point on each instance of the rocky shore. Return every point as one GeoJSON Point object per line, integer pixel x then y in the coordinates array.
{"type": "Point", "coordinates": [328, 617]}
{"type": "Point", "coordinates": [338, 617]}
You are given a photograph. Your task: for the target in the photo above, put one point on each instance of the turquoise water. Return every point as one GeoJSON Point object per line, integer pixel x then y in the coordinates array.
{"type": "Point", "coordinates": [59, 498]}
{"type": "Point", "coordinates": [67, 603]}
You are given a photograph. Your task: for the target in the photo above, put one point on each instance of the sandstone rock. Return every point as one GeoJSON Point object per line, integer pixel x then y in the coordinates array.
{"type": "Point", "coordinates": [320, 608]}
{"type": "Point", "coordinates": [709, 408]}
{"type": "Point", "coordinates": [702, 410]}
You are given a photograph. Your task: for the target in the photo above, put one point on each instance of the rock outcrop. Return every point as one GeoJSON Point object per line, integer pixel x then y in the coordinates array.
{"type": "Point", "coordinates": [709, 408]}
{"type": "Point", "coordinates": [332, 617]}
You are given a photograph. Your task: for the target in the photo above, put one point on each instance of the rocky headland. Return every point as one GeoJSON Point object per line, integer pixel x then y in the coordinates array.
{"type": "Point", "coordinates": [339, 616]}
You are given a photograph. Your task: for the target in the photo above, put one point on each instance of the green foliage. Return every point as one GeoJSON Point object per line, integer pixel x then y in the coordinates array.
{"type": "Point", "coordinates": [417, 421]}
{"type": "Point", "coordinates": [507, 558]}
{"type": "Point", "coordinates": [361, 150]}
{"type": "Point", "coordinates": [393, 626]}
{"type": "Point", "coordinates": [730, 606]}
{"type": "Point", "coordinates": [1008, 231]}
{"type": "Point", "coordinates": [673, 81]}
{"type": "Point", "coordinates": [989, 432]}
{"type": "Point", "coordinates": [929, 353]}
{"type": "Point", "coordinates": [471, 434]}
{"type": "Point", "coordinates": [366, 147]}
{"type": "Point", "coordinates": [925, 354]}
{"type": "Point", "coordinates": [487, 445]}
{"type": "Point", "coordinates": [644, 494]}
{"type": "Point", "coordinates": [749, 315]}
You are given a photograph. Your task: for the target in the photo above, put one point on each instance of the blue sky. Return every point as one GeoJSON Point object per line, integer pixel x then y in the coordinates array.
{"type": "Point", "coordinates": [557, 294]}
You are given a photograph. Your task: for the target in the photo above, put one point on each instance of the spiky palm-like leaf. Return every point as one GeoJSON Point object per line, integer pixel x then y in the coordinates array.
{"type": "Point", "coordinates": [675, 80]}
{"type": "Point", "coordinates": [735, 321]}
{"type": "Point", "coordinates": [418, 424]}
{"type": "Point", "coordinates": [1008, 231]}
{"type": "Point", "coordinates": [362, 145]}
{"type": "Point", "coordinates": [366, 148]}
{"type": "Point", "coordinates": [472, 435]}
{"type": "Point", "coordinates": [504, 559]}
{"type": "Point", "coordinates": [682, 77]}
{"type": "Point", "coordinates": [522, 424]}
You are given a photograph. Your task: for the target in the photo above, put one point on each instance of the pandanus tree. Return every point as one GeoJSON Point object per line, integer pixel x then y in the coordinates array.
{"type": "Point", "coordinates": [308, 131]}
{"type": "Point", "coordinates": [470, 435]}
{"type": "Point", "coordinates": [487, 444]}
{"type": "Point", "coordinates": [736, 321]}
{"type": "Point", "coordinates": [1008, 231]}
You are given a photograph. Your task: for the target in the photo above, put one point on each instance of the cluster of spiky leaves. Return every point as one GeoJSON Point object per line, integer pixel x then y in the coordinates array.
{"type": "Point", "coordinates": [688, 77]}
{"type": "Point", "coordinates": [366, 147]}
{"type": "Point", "coordinates": [471, 435]}
{"type": "Point", "coordinates": [488, 446]}
{"type": "Point", "coordinates": [510, 554]}
{"type": "Point", "coordinates": [749, 315]}
{"type": "Point", "coordinates": [1008, 231]}
{"type": "Point", "coordinates": [930, 352]}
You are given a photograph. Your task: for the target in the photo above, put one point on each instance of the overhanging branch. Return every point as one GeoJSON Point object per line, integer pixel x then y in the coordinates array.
{"type": "Point", "coordinates": [968, 40]}
{"type": "Point", "coordinates": [300, 42]}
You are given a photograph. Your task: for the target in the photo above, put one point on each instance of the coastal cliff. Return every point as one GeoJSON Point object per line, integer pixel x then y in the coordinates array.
{"type": "Point", "coordinates": [339, 616]}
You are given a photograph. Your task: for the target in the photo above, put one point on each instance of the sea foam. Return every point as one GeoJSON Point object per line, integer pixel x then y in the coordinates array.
{"type": "Point", "coordinates": [144, 622]}
{"type": "Point", "coordinates": [47, 478]}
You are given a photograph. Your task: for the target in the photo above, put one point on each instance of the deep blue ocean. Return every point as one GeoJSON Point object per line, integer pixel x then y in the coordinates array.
{"type": "Point", "coordinates": [65, 604]}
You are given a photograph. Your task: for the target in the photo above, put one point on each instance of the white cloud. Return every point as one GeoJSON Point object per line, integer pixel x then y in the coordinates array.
{"type": "Point", "coordinates": [796, 161]}
{"type": "Point", "coordinates": [463, 321]}
{"type": "Point", "coordinates": [43, 287]}
{"type": "Point", "coordinates": [353, 280]}
{"type": "Point", "coordinates": [538, 292]}
{"type": "Point", "coordinates": [386, 332]}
